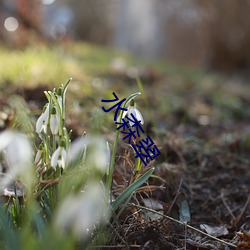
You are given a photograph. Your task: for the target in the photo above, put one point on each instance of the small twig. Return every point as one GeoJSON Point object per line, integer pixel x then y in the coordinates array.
{"type": "Point", "coordinates": [239, 217]}
{"type": "Point", "coordinates": [227, 207]}
{"type": "Point", "coordinates": [57, 180]}
{"type": "Point", "coordinates": [48, 185]}
{"type": "Point", "coordinates": [184, 224]}
{"type": "Point", "coordinates": [116, 246]}
{"type": "Point", "coordinates": [175, 198]}
{"type": "Point", "coordinates": [185, 242]}
{"type": "Point", "coordinates": [148, 188]}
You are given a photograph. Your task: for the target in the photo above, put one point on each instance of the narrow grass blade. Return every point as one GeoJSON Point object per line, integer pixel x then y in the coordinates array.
{"type": "Point", "coordinates": [122, 209]}
{"type": "Point", "coordinates": [128, 191]}
{"type": "Point", "coordinates": [9, 234]}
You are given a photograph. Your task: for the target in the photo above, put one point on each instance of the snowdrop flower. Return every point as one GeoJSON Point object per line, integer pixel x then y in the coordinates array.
{"type": "Point", "coordinates": [59, 157]}
{"type": "Point", "coordinates": [39, 154]}
{"type": "Point", "coordinates": [79, 214]}
{"type": "Point", "coordinates": [54, 121]}
{"type": "Point", "coordinates": [17, 152]}
{"type": "Point", "coordinates": [98, 152]}
{"type": "Point", "coordinates": [42, 122]}
{"type": "Point", "coordinates": [133, 110]}
{"type": "Point", "coordinates": [59, 97]}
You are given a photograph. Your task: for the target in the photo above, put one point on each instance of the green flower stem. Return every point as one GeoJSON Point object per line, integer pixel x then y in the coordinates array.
{"type": "Point", "coordinates": [65, 87]}
{"type": "Point", "coordinates": [138, 165]}
{"type": "Point", "coordinates": [47, 137]}
{"type": "Point", "coordinates": [52, 95]}
{"type": "Point", "coordinates": [54, 142]}
{"type": "Point", "coordinates": [112, 164]}
{"type": "Point", "coordinates": [147, 105]}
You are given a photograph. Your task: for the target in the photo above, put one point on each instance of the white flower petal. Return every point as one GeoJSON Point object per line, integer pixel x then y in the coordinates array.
{"type": "Point", "coordinates": [44, 127]}
{"type": "Point", "coordinates": [55, 156]}
{"type": "Point", "coordinates": [136, 113]}
{"type": "Point", "coordinates": [101, 154]}
{"type": "Point", "coordinates": [5, 139]}
{"type": "Point", "coordinates": [38, 156]}
{"type": "Point", "coordinates": [139, 116]}
{"type": "Point", "coordinates": [59, 99]}
{"type": "Point", "coordinates": [42, 121]}
{"type": "Point", "coordinates": [18, 155]}
{"type": "Point", "coordinates": [77, 148]}
{"type": "Point", "coordinates": [19, 151]}
{"type": "Point", "coordinates": [46, 113]}
{"type": "Point", "coordinates": [54, 124]}
{"type": "Point", "coordinates": [63, 159]}
{"type": "Point", "coordinates": [124, 113]}
{"type": "Point", "coordinates": [79, 214]}
{"type": "Point", "coordinates": [59, 158]}
{"type": "Point", "coordinates": [39, 123]}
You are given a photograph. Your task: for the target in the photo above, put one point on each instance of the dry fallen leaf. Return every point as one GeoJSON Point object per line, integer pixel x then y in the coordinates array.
{"type": "Point", "coordinates": [214, 230]}
{"type": "Point", "coordinates": [245, 236]}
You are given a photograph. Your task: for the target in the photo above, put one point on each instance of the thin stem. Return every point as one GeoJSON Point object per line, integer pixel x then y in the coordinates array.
{"type": "Point", "coordinates": [65, 87]}
{"type": "Point", "coordinates": [47, 140]}
{"type": "Point", "coordinates": [112, 163]}
{"type": "Point", "coordinates": [52, 95]}
{"type": "Point", "coordinates": [138, 165]}
{"type": "Point", "coordinates": [54, 142]}
{"type": "Point", "coordinates": [184, 224]}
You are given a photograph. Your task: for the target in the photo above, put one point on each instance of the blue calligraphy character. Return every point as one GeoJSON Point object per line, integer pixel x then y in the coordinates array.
{"type": "Point", "coordinates": [124, 124]}
{"type": "Point", "coordinates": [146, 150]}
{"type": "Point", "coordinates": [136, 124]}
{"type": "Point", "coordinates": [129, 134]}
{"type": "Point", "coordinates": [142, 155]}
{"type": "Point", "coordinates": [118, 105]}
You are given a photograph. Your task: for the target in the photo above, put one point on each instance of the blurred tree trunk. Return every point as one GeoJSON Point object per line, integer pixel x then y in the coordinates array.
{"type": "Point", "coordinates": [28, 15]}
{"type": "Point", "coordinates": [229, 35]}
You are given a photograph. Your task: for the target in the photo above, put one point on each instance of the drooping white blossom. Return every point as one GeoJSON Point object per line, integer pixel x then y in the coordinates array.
{"type": "Point", "coordinates": [39, 155]}
{"type": "Point", "coordinates": [17, 151]}
{"type": "Point", "coordinates": [59, 157]}
{"type": "Point", "coordinates": [79, 214]}
{"type": "Point", "coordinates": [42, 122]}
{"type": "Point", "coordinates": [98, 152]}
{"type": "Point", "coordinates": [136, 113]}
{"type": "Point", "coordinates": [59, 99]}
{"type": "Point", "coordinates": [54, 121]}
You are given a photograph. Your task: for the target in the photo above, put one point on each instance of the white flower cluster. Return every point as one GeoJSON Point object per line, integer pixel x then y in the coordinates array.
{"type": "Point", "coordinates": [51, 124]}
{"type": "Point", "coordinates": [16, 150]}
{"type": "Point", "coordinates": [52, 118]}
{"type": "Point", "coordinates": [80, 214]}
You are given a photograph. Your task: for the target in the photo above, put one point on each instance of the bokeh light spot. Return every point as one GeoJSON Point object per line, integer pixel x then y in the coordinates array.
{"type": "Point", "coordinates": [11, 24]}
{"type": "Point", "coordinates": [47, 2]}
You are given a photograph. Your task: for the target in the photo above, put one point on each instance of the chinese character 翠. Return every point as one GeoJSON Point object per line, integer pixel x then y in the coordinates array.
{"type": "Point", "coordinates": [148, 152]}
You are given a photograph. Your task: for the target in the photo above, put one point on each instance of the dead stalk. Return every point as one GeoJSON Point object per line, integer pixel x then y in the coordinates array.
{"type": "Point", "coordinates": [184, 224]}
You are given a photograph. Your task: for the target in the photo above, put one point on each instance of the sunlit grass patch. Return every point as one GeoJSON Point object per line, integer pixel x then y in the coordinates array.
{"type": "Point", "coordinates": [37, 65]}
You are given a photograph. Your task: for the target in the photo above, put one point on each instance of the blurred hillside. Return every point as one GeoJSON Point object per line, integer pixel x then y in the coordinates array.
{"type": "Point", "coordinates": [212, 34]}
